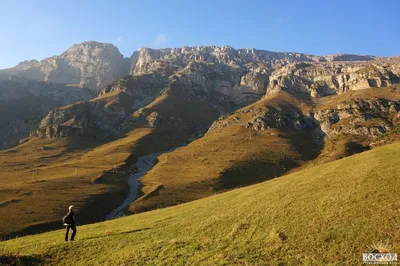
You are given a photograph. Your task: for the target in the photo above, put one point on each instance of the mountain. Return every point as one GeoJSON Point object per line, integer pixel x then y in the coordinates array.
{"type": "Point", "coordinates": [23, 104]}
{"type": "Point", "coordinates": [215, 118]}
{"type": "Point", "coordinates": [235, 77]}
{"type": "Point", "coordinates": [323, 215]}
{"type": "Point", "coordinates": [89, 65]}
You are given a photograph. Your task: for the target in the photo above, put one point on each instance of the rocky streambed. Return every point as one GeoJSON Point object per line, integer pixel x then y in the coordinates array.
{"type": "Point", "coordinates": [143, 164]}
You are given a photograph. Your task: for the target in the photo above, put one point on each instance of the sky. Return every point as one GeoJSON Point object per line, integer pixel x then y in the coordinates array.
{"type": "Point", "coordinates": [36, 29]}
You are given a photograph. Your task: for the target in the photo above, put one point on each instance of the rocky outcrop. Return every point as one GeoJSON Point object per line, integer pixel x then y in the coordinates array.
{"type": "Point", "coordinates": [241, 88]}
{"type": "Point", "coordinates": [103, 117]}
{"type": "Point", "coordinates": [247, 74]}
{"type": "Point", "coordinates": [89, 120]}
{"type": "Point", "coordinates": [282, 118]}
{"type": "Point", "coordinates": [322, 79]}
{"type": "Point", "coordinates": [98, 63]}
{"type": "Point", "coordinates": [362, 117]}
{"type": "Point", "coordinates": [95, 65]}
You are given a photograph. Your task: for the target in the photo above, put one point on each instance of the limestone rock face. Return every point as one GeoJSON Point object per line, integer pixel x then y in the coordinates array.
{"type": "Point", "coordinates": [89, 64]}
{"type": "Point", "coordinates": [102, 118]}
{"type": "Point", "coordinates": [148, 60]}
{"type": "Point", "coordinates": [255, 81]}
{"type": "Point", "coordinates": [365, 117]}
{"type": "Point", "coordinates": [89, 120]}
{"type": "Point", "coordinates": [322, 79]}
{"type": "Point", "coordinates": [97, 63]}
{"type": "Point", "coordinates": [222, 79]}
{"type": "Point", "coordinates": [247, 74]}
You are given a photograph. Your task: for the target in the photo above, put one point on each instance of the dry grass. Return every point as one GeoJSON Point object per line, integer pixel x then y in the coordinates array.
{"type": "Point", "coordinates": [235, 156]}
{"type": "Point", "coordinates": [42, 177]}
{"type": "Point", "coordinates": [325, 215]}
{"type": "Point", "coordinates": [226, 158]}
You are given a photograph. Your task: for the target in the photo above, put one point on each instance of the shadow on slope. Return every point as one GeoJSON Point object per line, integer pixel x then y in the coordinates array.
{"type": "Point", "coordinates": [253, 144]}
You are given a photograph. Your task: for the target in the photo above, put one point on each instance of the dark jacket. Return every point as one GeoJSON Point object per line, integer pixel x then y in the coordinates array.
{"type": "Point", "coordinates": [71, 218]}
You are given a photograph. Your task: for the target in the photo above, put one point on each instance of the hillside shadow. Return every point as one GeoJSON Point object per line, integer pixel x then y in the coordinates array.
{"type": "Point", "coordinates": [33, 230]}
{"type": "Point", "coordinates": [252, 172]}
{"type": "Point", "coordinates": [302, 132]}
{"type": "Point", "coordinates": [19, 260]}
{"type": "Point", "coordinates": [353, 147]}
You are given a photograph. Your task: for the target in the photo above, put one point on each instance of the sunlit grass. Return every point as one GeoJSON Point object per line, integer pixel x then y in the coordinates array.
{"type": "Point", "coordinates": [328, 214]}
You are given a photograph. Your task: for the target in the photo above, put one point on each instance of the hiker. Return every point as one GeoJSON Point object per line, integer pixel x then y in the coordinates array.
{"type": "Point", "coordinates": [69, 222]}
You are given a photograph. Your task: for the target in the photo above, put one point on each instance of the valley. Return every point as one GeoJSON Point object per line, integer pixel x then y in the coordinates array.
{"type": "Point", "coordinates": [228, 117]}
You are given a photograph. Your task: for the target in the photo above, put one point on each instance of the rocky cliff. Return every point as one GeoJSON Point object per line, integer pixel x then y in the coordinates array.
{"type": "Point", "coordinates": [24, 104]}
{"type": "Point", "coordinates": [147, 60]}
{"type": "Point", "coordinates": [89, 64]}
{"type": "Point", "coordinates": [321, 79]}
{"type": "Point", "coordinates": [370, 117]}
{"type": "Point", "coordinates": [95, 65]}
{"type": "Point", "coordinates": [102, 118]}
{"type": "Point", "coordinates": [224, 77]}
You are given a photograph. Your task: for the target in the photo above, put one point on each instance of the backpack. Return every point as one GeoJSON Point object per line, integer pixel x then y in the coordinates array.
{"type": "Point", "coordinates": [67, 219]}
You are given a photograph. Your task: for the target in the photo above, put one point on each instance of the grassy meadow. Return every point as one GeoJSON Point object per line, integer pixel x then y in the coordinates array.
{"type": "Point", "coordinates": [323, 215]}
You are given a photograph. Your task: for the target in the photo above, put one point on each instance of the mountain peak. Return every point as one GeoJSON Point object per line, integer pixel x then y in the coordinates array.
{"type": "Point", "coordinates": [94, 44]}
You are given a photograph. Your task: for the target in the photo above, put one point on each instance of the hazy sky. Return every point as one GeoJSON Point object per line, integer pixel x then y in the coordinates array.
{"type": "Point", "coordinates": [35, 29]}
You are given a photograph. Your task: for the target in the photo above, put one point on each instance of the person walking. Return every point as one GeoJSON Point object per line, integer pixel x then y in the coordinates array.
{"type": "Point", "coordinates": [69, 222]}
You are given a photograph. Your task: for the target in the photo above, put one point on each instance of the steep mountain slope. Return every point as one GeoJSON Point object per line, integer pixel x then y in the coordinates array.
{"type": "Point", "coordinates": [328, 214]}
{"type": "Point", "coordinates": [357, 121]}
{"type": "Point", "coordinates": [268, 138]}
{"type": "Point", "coordinates": [32, 88]}
{"type": "Point", "coordinates": [235, 77]}
{"type": "Point", "coordinates": [24, 104]}
{"type": "Point", "coordinates": [81, 143]}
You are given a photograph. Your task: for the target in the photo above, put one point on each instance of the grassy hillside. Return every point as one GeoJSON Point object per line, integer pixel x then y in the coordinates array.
{"type": "Point", "coordinates": [41, 177]}
{"type": "Point", "coordinates": [233, 155]}
{"type": "Point", "coordinates": [228, 157]}
{"type": "Point", "coordinates": [327, 214]}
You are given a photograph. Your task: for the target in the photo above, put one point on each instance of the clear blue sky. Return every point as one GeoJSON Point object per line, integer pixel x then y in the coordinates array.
{"type": "Point", "coordinates": [35, 29]}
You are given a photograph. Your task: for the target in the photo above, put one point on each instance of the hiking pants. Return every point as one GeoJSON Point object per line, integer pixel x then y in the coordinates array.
{"type": "Point", "coordinates": [73, 227]}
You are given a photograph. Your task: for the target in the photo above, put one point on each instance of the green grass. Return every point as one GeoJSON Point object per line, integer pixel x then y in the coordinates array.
{"type": "Point", "coordinates": [324, 215]}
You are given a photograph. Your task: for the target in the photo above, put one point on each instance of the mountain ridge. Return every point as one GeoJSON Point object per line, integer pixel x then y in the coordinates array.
{"type": "Point", "coordinates": [66, 68]}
